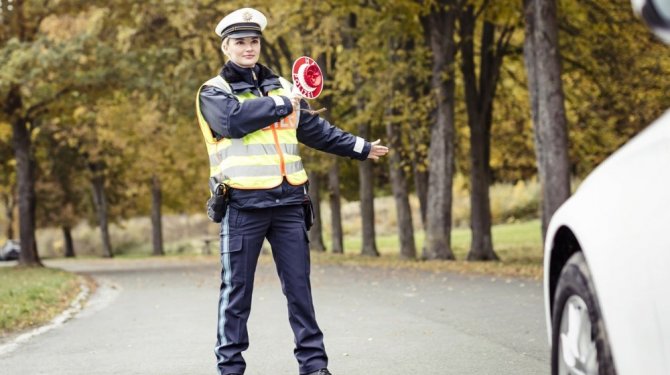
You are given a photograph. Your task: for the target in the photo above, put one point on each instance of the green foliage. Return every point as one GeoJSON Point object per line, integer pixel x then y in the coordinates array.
{"type": "Point", "coordinates": [614, 78]}
{"type": "Point", "coordinates": [59, 177]}
{"type": "Point", "coordinates": [113, 86]}
{"type": "Point", "coordinates": [512, 146]}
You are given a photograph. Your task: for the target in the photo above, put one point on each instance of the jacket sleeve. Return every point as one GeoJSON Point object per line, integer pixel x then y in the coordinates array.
{"type": "Point", "coordinates": [229, 118]}
{"type": "Point", "coordinates": [318, 133]}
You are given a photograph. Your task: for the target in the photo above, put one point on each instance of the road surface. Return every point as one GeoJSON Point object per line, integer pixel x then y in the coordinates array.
{"type": "Point", "coordinates": [158, 316]}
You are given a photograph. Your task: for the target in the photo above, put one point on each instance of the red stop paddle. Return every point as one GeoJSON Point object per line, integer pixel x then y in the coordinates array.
{"type": "Point", "coordinates": [307, 78]}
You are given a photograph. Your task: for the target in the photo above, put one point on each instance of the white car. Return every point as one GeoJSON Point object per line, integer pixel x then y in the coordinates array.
{"type": "Point", "coordinates": [607, 264]}
{"type": "Point", "coordinates": [10, 250]}
{"type": "Point", "coordinates": [607, 256]}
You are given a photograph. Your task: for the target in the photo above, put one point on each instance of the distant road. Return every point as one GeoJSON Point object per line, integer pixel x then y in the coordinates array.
{"type": "Point", "coordinates": [158, 316]}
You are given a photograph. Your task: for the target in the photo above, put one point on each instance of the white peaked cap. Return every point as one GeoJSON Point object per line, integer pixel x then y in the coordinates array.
{"type": "Point", "coordinates": [242, 23]}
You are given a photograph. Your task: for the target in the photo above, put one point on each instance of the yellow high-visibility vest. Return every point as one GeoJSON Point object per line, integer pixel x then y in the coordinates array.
{"type": "Point", "coordinates": [259, 160]}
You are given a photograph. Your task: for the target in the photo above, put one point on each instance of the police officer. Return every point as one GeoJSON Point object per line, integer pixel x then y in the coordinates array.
{"type": "Point", "coordinates": [252, 123]}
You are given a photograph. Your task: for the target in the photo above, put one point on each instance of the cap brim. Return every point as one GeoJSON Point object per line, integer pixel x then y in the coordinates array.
{"type": "Point", "coordinates": [243, 34]}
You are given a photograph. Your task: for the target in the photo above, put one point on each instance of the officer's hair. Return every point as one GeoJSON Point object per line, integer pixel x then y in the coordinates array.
{"type": "Point", "coordinates": [225, 42]}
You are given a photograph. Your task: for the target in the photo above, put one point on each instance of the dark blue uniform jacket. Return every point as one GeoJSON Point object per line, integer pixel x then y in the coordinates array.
{"type": "Point", "coordinates": [228, 118]}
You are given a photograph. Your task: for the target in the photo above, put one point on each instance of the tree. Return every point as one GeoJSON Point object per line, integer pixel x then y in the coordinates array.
{"type": "Point", "coordinates": [98, 181]}
{"type": "Point", "coordinates": [400, 189]}
{"type": "Point", "coordinates": [543, 66]}
{"type": "Point", "coordinates": [397, 90]}
{"type": "Point", "coordinates": [158, 47]}
{"type": "Point", "coordinates": [19, 29]}
{"type": "Point", "coordinates": [35, 49]}
{"type": "Point", "coordinates": [479, 97]}
{"type": "Point", "coordinates": [439, 25]}
{"type": "Point", "coordinates": [60, 179]}
{"type": "Point", "coordinates": [365, 171]}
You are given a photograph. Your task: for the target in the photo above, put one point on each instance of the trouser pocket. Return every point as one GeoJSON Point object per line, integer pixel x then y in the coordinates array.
{"type": "Point", "coordinates": [233, 260]}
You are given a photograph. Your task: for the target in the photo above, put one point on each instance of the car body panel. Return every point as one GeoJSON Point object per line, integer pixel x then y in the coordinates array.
{"type": "Point", "coordinates": [620, 216]}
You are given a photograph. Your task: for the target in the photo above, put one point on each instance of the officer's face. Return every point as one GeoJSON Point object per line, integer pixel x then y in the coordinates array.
{"type": "Point", "coordinates": [243, 51]}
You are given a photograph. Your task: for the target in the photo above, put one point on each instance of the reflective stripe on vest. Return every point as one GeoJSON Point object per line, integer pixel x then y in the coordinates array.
{"type": "Point", "coordinates": [245, 150]}
{"type": "Point", "coordinates": [261, 170]}
{"type": "Point", "coordinates": [260, 159]}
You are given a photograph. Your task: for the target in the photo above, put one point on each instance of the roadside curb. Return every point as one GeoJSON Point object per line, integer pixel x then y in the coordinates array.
{"type": "Point", "coordinates": [75, 306]}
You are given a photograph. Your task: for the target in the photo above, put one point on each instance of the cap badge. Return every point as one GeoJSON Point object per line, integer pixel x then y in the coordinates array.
{"type": "Point", "coordinates": [247, 16]}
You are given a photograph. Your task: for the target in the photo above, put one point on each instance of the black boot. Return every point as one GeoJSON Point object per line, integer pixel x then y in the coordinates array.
{"type": "Point", "coordinates": [323, 371]}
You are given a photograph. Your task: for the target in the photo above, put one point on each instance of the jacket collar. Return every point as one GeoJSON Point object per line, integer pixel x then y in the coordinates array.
{"type": "Point", "coordinates": [241, 79]}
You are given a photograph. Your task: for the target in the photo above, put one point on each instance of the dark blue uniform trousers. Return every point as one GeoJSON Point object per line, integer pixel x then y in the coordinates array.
{"type": "Point", "coordinates": [242, 235]}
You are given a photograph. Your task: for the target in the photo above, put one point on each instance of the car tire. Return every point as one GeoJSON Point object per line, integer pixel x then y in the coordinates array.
{"type": "Point", "coordinates": [578, 330]}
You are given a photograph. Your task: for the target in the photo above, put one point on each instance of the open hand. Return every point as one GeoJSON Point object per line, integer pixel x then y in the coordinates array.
{"type": "Point", "coordinates": [377, 150]}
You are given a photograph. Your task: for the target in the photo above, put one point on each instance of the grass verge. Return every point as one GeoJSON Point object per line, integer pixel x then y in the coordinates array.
{"type": "Point", "coordinates": [33, 296]}
{"type": "Point", "coordinates": [519, 246]}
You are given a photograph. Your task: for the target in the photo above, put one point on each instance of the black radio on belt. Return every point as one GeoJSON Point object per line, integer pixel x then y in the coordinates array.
{"type": "Point", "coordinates": [218, 202]}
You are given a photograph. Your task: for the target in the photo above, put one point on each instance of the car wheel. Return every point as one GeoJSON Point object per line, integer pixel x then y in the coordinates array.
{"type": "Point", "coordinates": [579, 340]}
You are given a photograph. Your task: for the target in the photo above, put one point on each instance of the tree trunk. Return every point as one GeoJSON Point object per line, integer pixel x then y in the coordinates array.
{"type": "Point", "coordinates": [9, 203]}
{"type": "Point", "coordinates": [25, 180]}
{"type": "Point", "coordinates": [400, 192]}
{"type": "Point", "coordinates": [421, 189]}
{"type": "Point", "coordinates": [542, 58]}
{"type": "Point", "coordinates": [316, 233]}
{"type": "Point", "coordinates": [156, 223]}
{"type": "Point", "coordinates": [100, 202]}
{"type": "Point", "coordinates": [479, 103]}
{"type": "Point", "coordinates": [335, 208]}
{"type": "Point", "coordinates": [25, 176]}
{"type": "Point", "coordinates": [69, 244]}
{"type": "Point", "coordinates": [396, 167]}
{"type": "Point", "coordinates": [441, 25]}
{"type": "Point", "coordinates": [12, 107]}
{"type": "Point", "coordinates": [533, 90]}
{"type": "Point", "coordinates": [366, 192]}
{"type": "Point", "coordinates": [480, 212]}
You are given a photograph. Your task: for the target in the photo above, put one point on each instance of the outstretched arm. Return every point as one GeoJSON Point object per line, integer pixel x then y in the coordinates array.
{"type": "Point", "coordinates": [318, 133]}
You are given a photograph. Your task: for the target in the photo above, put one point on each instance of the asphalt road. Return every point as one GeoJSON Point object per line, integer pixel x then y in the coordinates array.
{"type": "Point", "coordinates": [159, 317]}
